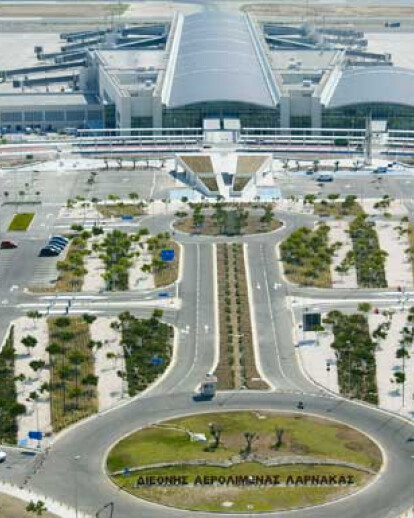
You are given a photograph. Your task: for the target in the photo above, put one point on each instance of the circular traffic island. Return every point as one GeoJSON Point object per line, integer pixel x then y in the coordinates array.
{"type": "Point", "coordinates": [227, 221]}
{"type": "Point", "coordinates": [245, 461]}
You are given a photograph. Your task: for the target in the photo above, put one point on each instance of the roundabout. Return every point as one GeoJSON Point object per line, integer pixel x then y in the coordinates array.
{"type": "Point", "coordinates": [85, 451]}
{"type": "Point", "coordinates": [244, 461]}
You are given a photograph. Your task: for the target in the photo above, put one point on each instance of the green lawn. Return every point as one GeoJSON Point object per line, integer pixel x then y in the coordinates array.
{"type": "Point", "coordinates": [302, 436]}
{"type": "Point", "coordinates": [21, 222]}
{"type": "Point", "coordinates": [243, 498]}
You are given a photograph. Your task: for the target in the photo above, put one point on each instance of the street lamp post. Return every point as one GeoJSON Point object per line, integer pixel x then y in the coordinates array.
{"type": "Point", "coordinates": [412, 457]}
{"type": "Point", "coordinates": [348, 343]}
{"type": "Point", "coordinates": [76, 458]}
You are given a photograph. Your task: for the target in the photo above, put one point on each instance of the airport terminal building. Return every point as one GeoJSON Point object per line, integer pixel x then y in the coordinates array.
{"type": "Point", "coordinates": [210, 69]}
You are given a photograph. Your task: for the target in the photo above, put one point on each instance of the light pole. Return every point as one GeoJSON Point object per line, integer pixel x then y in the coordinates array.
{"type": "Point", "coordinates": [76, 458]}
{"type": "Point", "coordinates": [328, 372]}
{"type": "Point", "coordinates": [412, 457]}
{"type": "Point", "coordinates": [348, 343]}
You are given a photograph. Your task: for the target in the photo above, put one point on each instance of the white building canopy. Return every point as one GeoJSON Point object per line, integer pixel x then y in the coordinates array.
{"type": "Point", "coordinates": [219, 58]}
{"type": "Point", "coordinates": [389, 85]}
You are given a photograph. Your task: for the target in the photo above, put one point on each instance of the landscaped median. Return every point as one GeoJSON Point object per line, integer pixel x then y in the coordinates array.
{"type": "Point", "coordinates": [244, 461]}
{"type": "Point", "coordinates": [237, 364]}
{"type": "Point", "coordinates": [21, 222]}
{"type": "Point", "coordinates": [72, 376]}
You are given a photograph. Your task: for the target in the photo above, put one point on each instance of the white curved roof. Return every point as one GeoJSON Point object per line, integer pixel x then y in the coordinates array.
{"type": "Point", "coordinates": [386, 84]}
{"type": "Point", "coordinates": [219, 58]}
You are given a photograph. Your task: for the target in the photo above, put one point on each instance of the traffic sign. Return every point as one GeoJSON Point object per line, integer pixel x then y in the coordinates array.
{"type": "Point", "coordinates": [37, 436]}
{"type": "Point", "coordinates": [311, 321]}
{"type": "Point", "coordinates": [126, 472]}
{"type": "Point", "coordinates": [167, 255]}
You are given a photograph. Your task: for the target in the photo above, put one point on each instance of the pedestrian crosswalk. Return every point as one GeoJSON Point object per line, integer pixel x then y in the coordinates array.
{"type": "Point", "coordinates": [44, 273]}
{"type": "Point", "coordinates": [6, 260]}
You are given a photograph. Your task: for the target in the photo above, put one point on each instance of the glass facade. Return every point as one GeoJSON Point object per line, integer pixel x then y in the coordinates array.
{"type": "Point", "coordinates": [141, 122]}
{"type": "Point", "coordinates": [109, 116]}
{"type": "Point", "coordinates": [192, 116]}
{"type": "Point", "coordinates": [398, 116]}
{"type": "Point", "coordinates": [304, 121]}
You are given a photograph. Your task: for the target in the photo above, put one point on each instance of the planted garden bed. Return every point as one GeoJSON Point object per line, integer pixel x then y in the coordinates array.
{"type": "Point", "coordinates": [228, 221]}
{"type": "Point", "coordinates": [10, 409]}
{"type": "Point", "coordinates": [237, 366]}
{"type": "Point", "coordinates": [72, 373]}
{"type": "Point", "coordinates": [369, 258]}
{"type": "Point", "coordinates": [117, 259]}
{"type": "Point", "coordinates": [337, 209]}
{"type": "Point", "coordinates": [307, 257]}
{"type": "Point", "coordinates": [165, 272]}
{"type": "Point", "coordinates": [121, 209]}
{"type": "Point", "coordinates": [72, 270]}
{"type": "Point", "coordinates": [355, 353]}
{"type": "Point", "coordinates": [148, 349]}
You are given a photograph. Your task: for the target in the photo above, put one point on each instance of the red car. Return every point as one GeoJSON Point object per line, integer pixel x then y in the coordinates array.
{"type": "Point", "coordinates": [7, 245]}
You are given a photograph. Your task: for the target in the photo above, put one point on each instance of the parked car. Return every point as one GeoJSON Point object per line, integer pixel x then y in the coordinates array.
{"type": "Point", "coordinates": [8, 245]}
{"type": "Point", "coordinates": [60, 238]}
{"type": "Point", "coordinates": [3, 456]}
{"type": "Point", "coordinates": [324, 178]}
{"type": "Point", "coordinates": [57, 244]}
{"type": "Point", "coordinates": [49, 251]}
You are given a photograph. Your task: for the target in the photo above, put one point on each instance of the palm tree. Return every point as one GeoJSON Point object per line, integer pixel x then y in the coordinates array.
{"type": "Point", "coordinates": [89, 319]}
{"type": "Point", "coordinates": [90, 381]}
{"type": "Point", "coordinates": [122, 375]}
{"type": "Point", "coordinates": [29, 342]}
{"type": "Point", "coordinates": [76, 358]}
{"type": "Point", "coordinates": [65, 374]}
{"type": "Point", "coordinates": [75, 393]}
{"type": "Point", "coordinates": [37, 508]}
{"type": "Point", "coordinates": [37, 365]}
